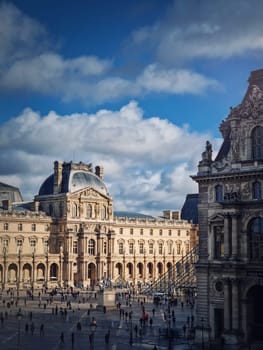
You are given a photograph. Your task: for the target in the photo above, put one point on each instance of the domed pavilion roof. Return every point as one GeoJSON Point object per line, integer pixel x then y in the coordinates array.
{"type": "Point", "coordinates": [73, 177]}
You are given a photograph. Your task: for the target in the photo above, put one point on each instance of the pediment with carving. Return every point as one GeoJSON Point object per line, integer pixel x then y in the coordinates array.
{"type": "Point", "coordinates": [216, 218]}
{"type": "Point", "coordinates": [88, 193]}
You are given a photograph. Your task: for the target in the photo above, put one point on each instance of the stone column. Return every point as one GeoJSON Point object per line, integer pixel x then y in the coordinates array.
{"type": "Point", "coordinates": [234, 237]}
{"type": "Point", "coordinates": [235, 304]}
{"type": "Point", "coordinates": [212, 244]}
{"type": "Point", "coordinates": [124, 267]}
{"type": "Point", "coordinates": [227, 305]}
{"type": "Point", "coordinates": [134, 267]}
{"type": "Point", "coordinates": [154, 266]}
{"type": "Point", "coordinates": [5, 272]}
{"type": "Point", "coordinates": [226, 237]}
{"type": "Point", "coordinates": [144, 266]}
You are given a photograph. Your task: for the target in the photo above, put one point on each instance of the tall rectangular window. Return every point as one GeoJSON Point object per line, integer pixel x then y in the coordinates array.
{"type": "Point", "coordinates": [121, 251]}
{"type": "Point", "coordinates": [75, 247]}
{"type": "Point", "coordinates": [131, 248]}
{"type": "Point", "coordinates": [219, 242]}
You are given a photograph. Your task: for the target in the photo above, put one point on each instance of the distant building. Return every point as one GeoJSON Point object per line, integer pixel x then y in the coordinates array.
{"type": "Point", "coordinates": [70, 236]}
{"type": "Point", "coordinates": [190, 209]}
{"type": "Point", "coordinates": [230, 216]}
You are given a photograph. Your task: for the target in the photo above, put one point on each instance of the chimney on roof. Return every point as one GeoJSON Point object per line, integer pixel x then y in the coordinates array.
{"type": "Point", "coordinates": [7, 204]}
{"type": "Point", "coordinates": [57, 177]}
{"type": "Point", "coordinates": [99, 171]}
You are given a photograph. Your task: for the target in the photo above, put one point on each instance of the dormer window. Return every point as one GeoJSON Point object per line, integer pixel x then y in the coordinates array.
{"type": "Point", "coordinates": [257, 143]}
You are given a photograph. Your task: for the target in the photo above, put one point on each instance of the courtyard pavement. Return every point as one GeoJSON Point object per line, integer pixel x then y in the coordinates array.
{"type": "Point", "coordinates": [75, 324]}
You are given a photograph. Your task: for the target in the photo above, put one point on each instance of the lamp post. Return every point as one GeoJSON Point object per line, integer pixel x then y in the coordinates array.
{"type": "Point", "coordinates": [131, 330]}
{"type": "Point", "coordinates": [170, 345]}
{"type": "Point", "coordinates": [202, 333]}
{"type": "Point", "coordinates": [19, 317]}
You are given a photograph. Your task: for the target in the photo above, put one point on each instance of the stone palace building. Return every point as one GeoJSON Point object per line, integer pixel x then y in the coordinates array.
{"type": "Point", "coordinates": [230, 266]}
{"type": "Point", "coordinates": [70, 236]}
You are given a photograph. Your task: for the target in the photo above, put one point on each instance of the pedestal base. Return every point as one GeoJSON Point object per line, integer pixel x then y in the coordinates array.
{"type": "Point", "coordinates": [106, 298]}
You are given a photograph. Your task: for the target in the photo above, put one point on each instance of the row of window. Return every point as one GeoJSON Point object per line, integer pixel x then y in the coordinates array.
{"type": "Point", "coordinates": [151, 250]}
{"type": "Point", "coordinates": [19, 243]}
{"type": "Point", "coordinates": [90, 211]}
{"type": "Point", "coordinates": [161, 231]}
{"type": "Point", "coordinates": [142, 249]}
{"type": "Point", "coordinates": [256, 192]}
{"type": "Point", "coordinates": [20, 227]}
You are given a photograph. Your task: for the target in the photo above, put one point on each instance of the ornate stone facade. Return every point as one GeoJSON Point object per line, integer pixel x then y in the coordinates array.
{"type": "Point", "coordinates": [230, 266]}
{"type": "Point", "coordinates": [70, 236]}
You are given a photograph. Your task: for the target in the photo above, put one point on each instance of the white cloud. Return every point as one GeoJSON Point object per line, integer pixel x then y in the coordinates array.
{"type": "Point", "coordinates": [20, 35]}
{"type": "Point", "coordinates": [30, 63]}
{"type": "Point", "coordinates": [147, 162]}
{"type": "Point", "coordinates": [174, 81]}
{"type": "Point", "coordinates": [203, 29]}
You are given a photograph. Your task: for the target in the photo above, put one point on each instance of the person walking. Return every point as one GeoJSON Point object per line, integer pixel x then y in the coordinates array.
{"type": "Point", "coordinates": [26, 328]}
{"type": "Point", "coordinates": [72, 340]}
{"type": "Point", "coordinates": [41, 330]}
{"type": "Point", "coordinates": [62, 338]}
{"type": "Point", "coordinates": [32, 328]}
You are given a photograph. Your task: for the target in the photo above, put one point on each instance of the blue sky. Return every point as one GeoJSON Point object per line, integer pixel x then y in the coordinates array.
{"type": "Point", "coordinates": [135, 86]}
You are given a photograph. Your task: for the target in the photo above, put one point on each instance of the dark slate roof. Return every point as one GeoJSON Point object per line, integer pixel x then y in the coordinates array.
{"type": "Point", "coordinates": [223, 152]}
{"type": "Point", "coordinates": [189, 210]}
{"type": "Point", "coordinates": [73, 180]}
{"type": "Point", "coordinates": [10, 193]}
{"type": "Point", "coordinates": [131, 215]}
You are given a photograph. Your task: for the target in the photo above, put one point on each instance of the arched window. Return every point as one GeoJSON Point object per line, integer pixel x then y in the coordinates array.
{"type": "Point", "coordinates": [219, 193]}
{"type": "Point", "coordinates": [89, 211]}
{"type": "Point", "coordinates": [256, 190]}
{"type": "Point", "coordinates": [141, 248]}
{"type": "Point", "coordinates": [131, 248]}
{"type": "Point", "coordinates": [91, 247]}
{"type": "Point", "coordinates": [160, 248]}
{"type": "Point", "coordinates": [74, 210]}
{"type": "Point", "coordinates": [255, 234]}
{"type": "Point", "coordinates": [170, 245]}
{"type": "Point", "coordinates": [257, 142]}
{"type": "Point", "coordinates": [103, 212]}
{"type": "Point", "coordinates": [178, 248]}
{"type": "Point", "coordinates": [121, 251]}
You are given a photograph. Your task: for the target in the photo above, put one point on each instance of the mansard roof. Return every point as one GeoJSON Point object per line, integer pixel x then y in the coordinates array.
{"type": "Point", "coordinates": [189, 210]}
{"type": "Point", "coordinates": [10, 193]}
